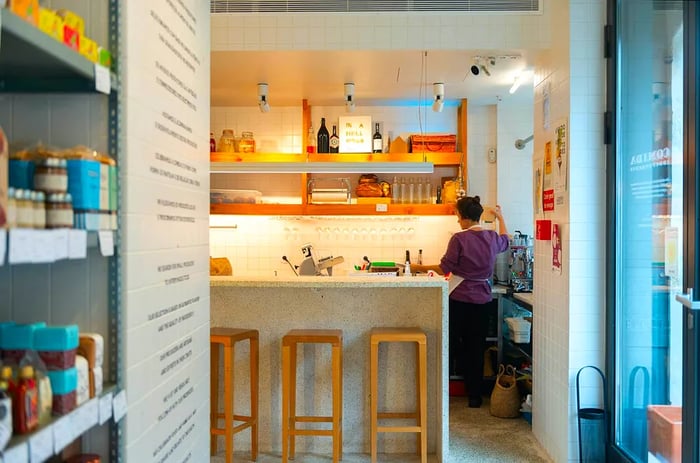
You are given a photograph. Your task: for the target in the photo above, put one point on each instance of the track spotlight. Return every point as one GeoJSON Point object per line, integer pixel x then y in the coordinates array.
{"type": "Point", "coordinates": [475, 69]}
{"type": "Point", "coordinates": [349, 94]}
{"type": "Point", "coordinates": [485, 70]}
{"type": "Point", "coordinates": [262, 98]}
{"type": "Point", "coordinates": [438, 96]}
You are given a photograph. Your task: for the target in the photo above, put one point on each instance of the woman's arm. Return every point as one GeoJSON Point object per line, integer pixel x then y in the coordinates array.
{"type": "Point", "coordinates": [426, 268]}
{"type": "Point", "coordinates": [502, 229]}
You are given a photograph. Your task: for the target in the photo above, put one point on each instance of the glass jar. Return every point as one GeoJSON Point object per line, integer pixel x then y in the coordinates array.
{"type": "Point", "coordinates": [247, 143]}
{"type": "Point", "coordinates": [59, 211]}
{"type": "Point", "coordinates": [51, 175]}
{"type": "Point", "coordinates": [226, 142]}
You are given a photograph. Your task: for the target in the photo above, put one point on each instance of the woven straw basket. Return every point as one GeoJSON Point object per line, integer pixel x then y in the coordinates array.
{"type": "Point", "coordinates": [505, 399]}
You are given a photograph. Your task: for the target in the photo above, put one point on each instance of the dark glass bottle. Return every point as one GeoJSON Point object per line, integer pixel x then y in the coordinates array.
{"type": "Point", "coordinates": [334, 142]}
{"type": "Point", "coordinates": [322, 138]}
{"type": "Point", "coordinates": [377, 146]}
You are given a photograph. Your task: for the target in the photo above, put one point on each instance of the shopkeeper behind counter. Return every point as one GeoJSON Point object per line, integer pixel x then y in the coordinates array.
{"type": "Point", "coordinates": [471, 255]}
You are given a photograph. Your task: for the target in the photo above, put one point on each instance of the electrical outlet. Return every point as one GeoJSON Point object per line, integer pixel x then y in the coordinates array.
{"type": "Point", "coordinates": [492, 155]}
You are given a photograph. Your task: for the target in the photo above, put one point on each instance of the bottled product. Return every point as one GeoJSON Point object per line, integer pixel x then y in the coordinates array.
{"type": "Point", "coordinates": [322, 138]}
{"type": "Point", "coordinates": [39, 210]}
{"type": "Point", "coordinates": [438, 195]}
{"type": "Point", "coordinates": [25, 407]}
{"type": "Point", "coordinates": [420, 257]}
{"type": "Point", "coordinates": [51, 175]}
{"type": "Point", "coordinates": [247, 143]}
{"type": "Point", "coordinates": [428, 191]}
{"type": "Point", "coordinates": [407, 268]}
{"type": "Point", "coordinates": [212, 143]}
{"type": "Point", "coordinates": [411, 191]}
{"type": "Point", "coordinates": [25, 212]}
{"type": "Point", "coordinates": [227, 142]}
{"type": "Point", "coordinates": [334, 142]}
{"type": "Point", "coordinates": [59, 211]}
{"type": "Point", "coordinates": [311, 141]}
{"type": "Point", "coordinates": [404, 191]}
{"type": "Point", "coordinates": [5, 408]}
{"type": "Point", "coordinates": [11, 208]}
{"type": "Point", "coordinates": [395, 193]}
{"type": "Point", "coordinates": [377, 145]}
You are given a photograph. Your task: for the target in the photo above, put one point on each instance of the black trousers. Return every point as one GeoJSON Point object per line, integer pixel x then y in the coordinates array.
{"type": "Point", "coordinates": [468, 330]}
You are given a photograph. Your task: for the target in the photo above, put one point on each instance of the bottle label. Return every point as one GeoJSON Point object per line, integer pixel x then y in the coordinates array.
{"type": "Point", "coordinates": [377, 144]}
{"type": "Point", "coordinates": [334, 142]}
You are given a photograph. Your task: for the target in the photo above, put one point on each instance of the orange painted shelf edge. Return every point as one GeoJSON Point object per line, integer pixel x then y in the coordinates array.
{"type": "Point", "coordinates": [331, 209]}
{"type": "Point", "coordinates": [438, 159]}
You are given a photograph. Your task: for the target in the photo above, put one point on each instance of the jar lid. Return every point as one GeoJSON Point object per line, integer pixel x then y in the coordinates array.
{"type": "Point", "coordinates": [227, 132]}
{"type": "Point", "coordinates": [247, 134]}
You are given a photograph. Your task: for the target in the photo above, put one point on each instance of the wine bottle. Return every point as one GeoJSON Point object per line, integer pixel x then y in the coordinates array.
{"type": "Point", "coordinates": [311, 141]}
{"type": "Point", "coordinates": [334, 142]}
{"type": "Point", "coordinates": [377, 144]}
{"type": "Point", "coordinates": [322, 137]}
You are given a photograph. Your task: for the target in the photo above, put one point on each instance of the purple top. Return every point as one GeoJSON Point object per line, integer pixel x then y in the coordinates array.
{"type": "Point", "coordinates": [471, 254]}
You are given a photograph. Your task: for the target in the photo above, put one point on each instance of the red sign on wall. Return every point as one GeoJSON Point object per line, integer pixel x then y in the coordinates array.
{"type": "Point", "coordinates": [548, 200]}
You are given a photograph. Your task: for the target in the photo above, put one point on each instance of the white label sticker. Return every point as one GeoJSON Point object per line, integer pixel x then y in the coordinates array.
{"type": "Point", "coordinates": [43, 247]}
{"type": "Point", "coordinates": [119, 405]}
{"type": "Point", "coordinates": [21, 250]}
{"type": "Point", "coordinates": [102, 79]}
{"type": "Point", "coordinates": [41, 445]}
{"type": "Point", "coordinates": [3, 246]}
{"type": "Point", "coordinates": [381, 208]}
{"type": "Point", "coordinates": [106, 238]}
{"type": "Point", "coordinates": [16, 454]}
{"type": "Point", "coordinates": [64, 432]}
{"type": "Point", "coordinates": [89, 414]}
{"type": "Point", "coordinates": [77, 244]}
{"type": "Point", "coordinates": [105, 408]}
{"type": "Point", "coordinates": [60, 243]}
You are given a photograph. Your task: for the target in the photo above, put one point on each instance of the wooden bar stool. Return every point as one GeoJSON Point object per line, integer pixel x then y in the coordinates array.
{"type": "Point", "coordinates": [289, 416]}
{"type": "Point", "coordinates": [226, 338]}
{"type": "Point", "coordinates": [418, 336]}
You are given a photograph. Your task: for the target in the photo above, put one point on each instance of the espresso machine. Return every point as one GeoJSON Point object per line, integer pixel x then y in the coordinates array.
{"type": "Point", "coordinates": [514, 266]}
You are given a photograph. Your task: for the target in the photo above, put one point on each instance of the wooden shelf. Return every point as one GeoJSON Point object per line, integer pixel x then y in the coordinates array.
{"type": "Point", "coordinates": [438, 159]}
{"type": "Point", "coordinates": [331, 209]}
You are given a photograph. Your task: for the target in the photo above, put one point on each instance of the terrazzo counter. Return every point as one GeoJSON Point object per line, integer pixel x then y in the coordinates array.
{"type": "Point", "coordinates": [355, 305]}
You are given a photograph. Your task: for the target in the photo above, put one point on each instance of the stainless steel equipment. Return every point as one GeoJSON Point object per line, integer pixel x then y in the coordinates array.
{"type": "Point", "coordinates": [311, 266]}
{"type": "Point", "coordinates": [514, 266]}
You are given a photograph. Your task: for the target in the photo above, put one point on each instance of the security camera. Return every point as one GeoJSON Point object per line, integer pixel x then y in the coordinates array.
{"type": "Point", "coordinates": [475, 69]}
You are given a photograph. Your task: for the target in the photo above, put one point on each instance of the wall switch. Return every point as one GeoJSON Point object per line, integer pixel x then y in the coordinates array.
{"type": "Point", "coordinates": [492, 155]}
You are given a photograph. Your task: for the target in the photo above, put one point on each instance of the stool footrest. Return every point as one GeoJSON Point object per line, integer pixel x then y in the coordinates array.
{"type": "Point", "coordinates": [312, 419]}
{"type": "Point", "coordinates": [398, 429]}
{"type": "Point", "coordinates": [311, 432]}
{"type": "Point", "coordinates": [222, 416]}
{"type": "Point", "coordinates": [236, 429]}
{"type": "Point", "coordinates": [397, 415]}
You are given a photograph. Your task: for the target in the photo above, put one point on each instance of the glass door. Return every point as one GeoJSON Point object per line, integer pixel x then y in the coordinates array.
{"type": "Point", "coordinates": [650, 258]}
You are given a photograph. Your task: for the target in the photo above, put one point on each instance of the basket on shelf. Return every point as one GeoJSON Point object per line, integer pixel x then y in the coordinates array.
{"type": "Point", "coordinates": [505, 398]}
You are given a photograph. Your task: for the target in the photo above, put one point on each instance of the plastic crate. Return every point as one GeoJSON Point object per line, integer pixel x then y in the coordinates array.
{"type": "Point", "coordinates": [664, 428]}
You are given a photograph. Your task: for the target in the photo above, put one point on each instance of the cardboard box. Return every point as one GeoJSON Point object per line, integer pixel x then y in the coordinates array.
{"type": "Point", "coordinates": [50, 23]}
{"type": "Point", "coordinates": [22, 174]}
{"type": "Point", "coordinates": [664, 428]}
{"type": "Point", "coordinates": [4, 174]}
{"type": "Point", "coordinates": [72, 20]}
{"type": "Point", "coordinates": [84, 184]}
{"type": "Point", "coordinates": [71, 37]}
{"type": "Point", "coordinates": [355, 133]}
{"type": "Point", "coordinates": [89, 49]}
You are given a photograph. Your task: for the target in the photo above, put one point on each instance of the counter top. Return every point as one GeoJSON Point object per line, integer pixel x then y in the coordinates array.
{"type": "Point", "coordinates": [528, 298]}
{"type": "Point", "coordinates": [330, 282]}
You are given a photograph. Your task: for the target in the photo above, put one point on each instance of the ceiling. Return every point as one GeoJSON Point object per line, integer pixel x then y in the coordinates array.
{"type": "Point", "coordinates": [381, 77]}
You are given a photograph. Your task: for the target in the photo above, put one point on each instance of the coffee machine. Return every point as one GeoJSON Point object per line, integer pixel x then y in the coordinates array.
{"type": "Point", "coordinates": [514, 266]}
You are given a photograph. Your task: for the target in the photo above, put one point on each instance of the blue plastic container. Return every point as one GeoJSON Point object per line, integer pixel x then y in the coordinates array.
{"type": "Point", "coordinates": [21, 174]}
{"type": "Point", "coordinates": [63, 381]}
{"type": "Point", "coordinates": [19, 335]}
{"type": "Point", "coordinates": [57, 346]}
{"type": "Point", "coordinates": [84, 183]}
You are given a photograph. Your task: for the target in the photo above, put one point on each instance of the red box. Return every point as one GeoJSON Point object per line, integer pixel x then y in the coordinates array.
{"type": "Point", "coordinates": [543, 230]}
{"type": "Point", "coordinates": [664, 428]}
{"type": "Point", "coordinates": [457, 388]}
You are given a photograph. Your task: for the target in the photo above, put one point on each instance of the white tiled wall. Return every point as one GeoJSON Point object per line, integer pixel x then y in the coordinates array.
{"type": "Point", "coordinates": [569, 315]}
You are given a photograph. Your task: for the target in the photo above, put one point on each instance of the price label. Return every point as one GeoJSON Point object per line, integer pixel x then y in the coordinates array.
{"type": "Point", "coordinates": [3, 246]}
{"type": "Point", "coordinates": [64, 432]}
{"type": "Point", "coordinates": [119, 406]}
{"type": "Point", "coordinates": [381, 208]}
{"type": "Point", "coordinates": [60, 243]}
{"type": "Point", "coordinates": [103, 82]}
{"type": "Point", "coordinates": [16, 454]}
{"type": "Point", "coordinates": [106, 238]}
{"type": "Point", "coordinates": [21, 250]}
{"type": "Point", "coordinates": [105, 408]}
{"type": "Point", "coordinates": [88, 414]}
{"type": "Point", "coordinates": [41, 445]}
{"type": "Point", "coordinates": [77, 244]}
{"type": "Point", "coordinates": [43, 250]}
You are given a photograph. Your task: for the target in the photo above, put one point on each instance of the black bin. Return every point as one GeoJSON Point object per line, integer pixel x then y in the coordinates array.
{"type": "Point", "coordinates": [592, 425]}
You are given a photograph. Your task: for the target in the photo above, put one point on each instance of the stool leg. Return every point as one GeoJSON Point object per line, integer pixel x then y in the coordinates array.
{"type": "Point", "coordinates": [337, 405]}
{"type": "Point", "coordinates": [419, 436]}
{"type": "Point", "coordinates": [214, 394]}
{"type": "Point", "coordinates": [341, 402]}
{"type": "Point", "coordinates": [254, 370]}
{"type": "Point", "coordinates": [374, 348]}
{"type": "Point", "coordinates": [292, 400]}
{"type": "Point", "coordinates": [423, 386]}
{"type": "Point", "coordinates": [286, 361]}
{"type": "Point", "coordinates": [229, 355]}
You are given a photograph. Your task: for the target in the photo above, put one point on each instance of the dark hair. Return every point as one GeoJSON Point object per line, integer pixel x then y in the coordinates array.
{"type": "Point", "coordinates": [469, 207]}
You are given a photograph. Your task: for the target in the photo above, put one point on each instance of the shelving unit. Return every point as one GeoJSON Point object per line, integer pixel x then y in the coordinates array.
{"type": "Point", "coordinates": [36, 73]}
{"type": "Point", "coordinates": [220, 163]}
{"type": "Point", "coordinates": [508, 305]}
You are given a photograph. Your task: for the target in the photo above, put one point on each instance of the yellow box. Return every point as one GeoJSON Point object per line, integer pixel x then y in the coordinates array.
{"type": "Point", "coordinates": [51, 24]}
{"type": "Point", "coordinates": [26, 9]}
{"type": "Point", "coordinates": [88, 48]}
{"type": "Point", "coordinates": [72, 20]}
{"type": "Point", "coordinates": [382, 200]}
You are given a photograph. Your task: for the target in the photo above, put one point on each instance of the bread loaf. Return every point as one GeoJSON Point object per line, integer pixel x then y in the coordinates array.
{"type": "Point", "coordinates": [368, 178]}
{"type": "Point", "coordinates": [369, 190]}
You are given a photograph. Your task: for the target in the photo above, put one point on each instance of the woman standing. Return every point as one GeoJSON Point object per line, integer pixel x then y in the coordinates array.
{"type": "Point", "coordinates": [471, 255]}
